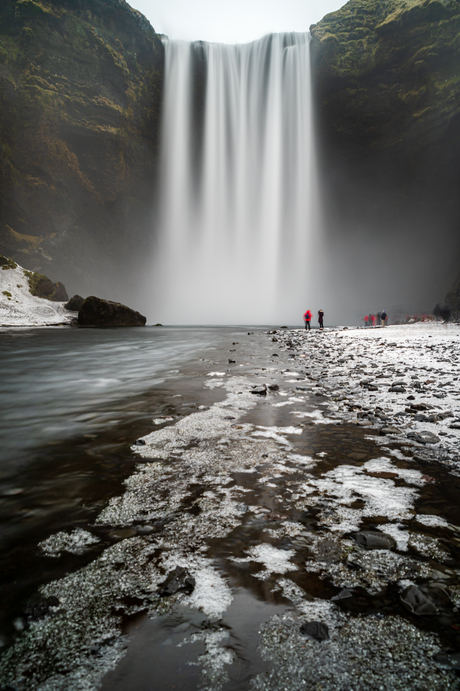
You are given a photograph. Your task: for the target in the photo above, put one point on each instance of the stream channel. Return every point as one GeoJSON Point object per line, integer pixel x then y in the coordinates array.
{"type": "Point", "coordinates": [258, 497]}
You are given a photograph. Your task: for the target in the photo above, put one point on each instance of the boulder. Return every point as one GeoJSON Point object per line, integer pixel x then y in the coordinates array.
{"type": "Point", "coordinates": [98, 312]}
{"type": "Point", "coordinates": [75, 303]}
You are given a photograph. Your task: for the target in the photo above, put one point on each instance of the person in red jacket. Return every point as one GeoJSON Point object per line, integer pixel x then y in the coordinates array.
{"type": "Point", "coordinates": [307, 319]}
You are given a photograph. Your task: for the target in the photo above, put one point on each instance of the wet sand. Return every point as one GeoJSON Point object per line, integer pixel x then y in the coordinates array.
{"type": "Point", "coordinates": [331, 497]}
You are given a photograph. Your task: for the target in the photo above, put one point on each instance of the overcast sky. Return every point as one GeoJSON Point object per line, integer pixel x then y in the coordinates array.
{"type": "Point", "coordinates": [232, 21]}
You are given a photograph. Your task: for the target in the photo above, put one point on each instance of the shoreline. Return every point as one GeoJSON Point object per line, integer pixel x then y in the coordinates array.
{"type": "Point", "coordinates": [267, 492]}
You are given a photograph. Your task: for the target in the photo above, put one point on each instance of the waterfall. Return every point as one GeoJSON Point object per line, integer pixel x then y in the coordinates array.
{"type": "Point", "coordinates": [238, 219]}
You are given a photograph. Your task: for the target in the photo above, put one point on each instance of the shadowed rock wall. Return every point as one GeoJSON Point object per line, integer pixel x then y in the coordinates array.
{"type": "Point", "coordinates": [387, 87]}
{"type": "Point", "coordinates": [80, 95]}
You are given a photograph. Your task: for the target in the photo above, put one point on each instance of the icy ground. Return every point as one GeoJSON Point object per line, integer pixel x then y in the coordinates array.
{"type": "Point", "coordinates": [19, 308]}
{"type": "Point", "coordinates": [333, 495]}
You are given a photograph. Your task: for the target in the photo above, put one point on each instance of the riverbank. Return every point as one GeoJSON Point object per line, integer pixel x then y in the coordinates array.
{"type": "Point", "coordinates": [328, 496]}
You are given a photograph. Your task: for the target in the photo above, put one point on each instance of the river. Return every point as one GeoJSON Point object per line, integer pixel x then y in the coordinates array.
{"type": "Point", "coordinates": [72, 402]}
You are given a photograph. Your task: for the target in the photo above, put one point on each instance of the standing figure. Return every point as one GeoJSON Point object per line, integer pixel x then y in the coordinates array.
{"type": "Point", "coordinates": [307, 319]}
{"type": "Point", "coordinates": [373, 319]}
{"type": "Point", "coordinates": [320, 318]}
{"type": "Point", "coordinates": [383, 317]}
{"type": "Point", "coordinates": [366, 320]}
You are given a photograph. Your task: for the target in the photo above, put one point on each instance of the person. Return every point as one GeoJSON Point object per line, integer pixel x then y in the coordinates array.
{"type": "Point", "coordinates": [373, 319]}
{"type": "Point", "coordinates": [383, 317]}
{"type": "Point", "coordinates": [366, 320]}
{"type": "Point", "coordinates": [307, 319]}
{"type": "Point", "coordinates": [320, 318]}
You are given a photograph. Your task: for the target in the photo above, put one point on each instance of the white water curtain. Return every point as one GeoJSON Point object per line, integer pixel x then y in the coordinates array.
{"type": "Point", "coordinates": [238, 224]}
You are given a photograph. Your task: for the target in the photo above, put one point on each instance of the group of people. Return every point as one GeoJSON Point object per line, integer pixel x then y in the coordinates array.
{"type": "Point", "coordinates": [379, 319]}
{"type": "Point", "coordinates": [308, 316]}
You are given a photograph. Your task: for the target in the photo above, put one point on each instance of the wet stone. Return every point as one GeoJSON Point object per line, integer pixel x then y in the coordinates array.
{"type": "Point", "coordinates": [259, 390]}
{"type": "Point", "coordinates": [315, 630]}
{"type": "Point", "coordinates": [178, 580]}
{"type": "Point", "coordinates": [417, 602]}
{"type": "Point", "coordinates": [424, 437]}
{"type": "Point", "coordinates": [373, 540]}
{"type": "Point", "coordinates": [37, 609]}
{"type": "Point", "coordinates": [389, 430]}
{"type": "Point", "coordinates": [449, 661]}
{"type": "Point", "coordinates": [122, 533]}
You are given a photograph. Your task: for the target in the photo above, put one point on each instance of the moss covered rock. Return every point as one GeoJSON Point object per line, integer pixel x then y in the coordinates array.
{"type": "Point", "coordinates": [42, 287]}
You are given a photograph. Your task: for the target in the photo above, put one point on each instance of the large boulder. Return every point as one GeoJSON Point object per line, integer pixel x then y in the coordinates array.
{"type": "Point", "coordinates": [75, 303]}
{"type": "Point", "coordinates": [98, 312]}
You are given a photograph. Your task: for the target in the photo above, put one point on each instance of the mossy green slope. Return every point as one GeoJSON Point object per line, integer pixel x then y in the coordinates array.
{"type": "Point", "coordinates": [80, 95]}
{"type": "Point", "coordinates": [390, 70]}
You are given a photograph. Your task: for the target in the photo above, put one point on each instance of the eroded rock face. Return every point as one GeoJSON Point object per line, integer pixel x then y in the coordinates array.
{"type": "Point", "coordinates": [387, 88]}
{"type": "Point", "coordinates": [80, 96]}
{"type": "Point", "coordinates": [98, 312]}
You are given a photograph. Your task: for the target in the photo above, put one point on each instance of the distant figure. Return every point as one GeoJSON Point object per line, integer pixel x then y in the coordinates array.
{"type": "Point", "coordinates": [366, 320]}
{"type": "Point", "coordinates": [307, 319]}
{"type": "Point", "coordinates": [442, 312]}
{"type": "Point", "coordinates": [379, 319]}
{"type": "Point", "coordinates": [320, 318]}
{"type": "Point", "coordinates": [445, 313]}
{"type": "Point", "coordinates": [373, 319]}
{"type": "Point", "coordinates": [383, 317]}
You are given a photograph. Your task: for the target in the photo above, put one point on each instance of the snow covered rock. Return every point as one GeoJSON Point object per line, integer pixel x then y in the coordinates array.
{"type": "Point", "coordinates": [20, 301]}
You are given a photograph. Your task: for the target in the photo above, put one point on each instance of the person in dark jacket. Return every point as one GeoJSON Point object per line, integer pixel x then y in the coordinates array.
{"type": "Point", "coordinates": [320, 318]}
{"type": "Point", "coordinates": [383, 317]}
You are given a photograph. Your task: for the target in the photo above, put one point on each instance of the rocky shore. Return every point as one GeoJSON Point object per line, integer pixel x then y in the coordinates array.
{"type": "Point", "coordinates": [301, 533]}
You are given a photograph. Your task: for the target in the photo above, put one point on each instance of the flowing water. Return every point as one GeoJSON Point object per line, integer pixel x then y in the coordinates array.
{"type": "Point", "coordinates": [238, 202]}
{"type": "Point", "coordinates": [72, 402]}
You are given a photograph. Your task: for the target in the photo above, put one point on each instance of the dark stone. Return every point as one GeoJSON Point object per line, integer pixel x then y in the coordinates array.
{"type": "Point", "coordinates": [373, 540]}
{"type": "Point", "coordinates": [231, 362]}
{"type": "Point", "coordinates": [316, 630]}
{"type": "Point", "coordinates": [273, 387]}
{"type": "Point", "coordinates": [389, 430]}
{"type": "Point", "coordinates": [397, 389]}
{"type": "Point", "coordinates": [75, 303]}
{"type": "Point", "coordinates": [448, 660]}
{"type": "Point", "coordinates": [424, 437]}
{"type": "Point", "coordinates": [98, 312]}
{"type": "Point", "coordinates": [417, 602]}
{"type": "Point", "coordinates": [179, 579]}
{"type": "Point", "coordinates": [37, 609]}
{"type": "Point", "coordinates": [260, 390]}
{"type": "Point", "coordinates": [139, 442]}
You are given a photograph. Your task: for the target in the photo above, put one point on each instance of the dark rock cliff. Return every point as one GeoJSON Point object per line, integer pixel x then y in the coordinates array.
{"type": "Point", "coordinates": [386, 79]}
{"type": "Point", "coordinates": [80, 99]}
{"type": "Point", "coordinates": [80, 95]}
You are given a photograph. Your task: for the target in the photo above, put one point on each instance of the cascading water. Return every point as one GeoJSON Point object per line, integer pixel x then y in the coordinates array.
{"type": "Point", "coordinates": [238, 221]}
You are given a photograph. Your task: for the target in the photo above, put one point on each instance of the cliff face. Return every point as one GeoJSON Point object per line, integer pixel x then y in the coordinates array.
{"type": "Point", "coordinates": [387, 86]}
{"type": "Point", "coordinates": [80, 95]}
